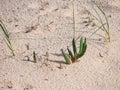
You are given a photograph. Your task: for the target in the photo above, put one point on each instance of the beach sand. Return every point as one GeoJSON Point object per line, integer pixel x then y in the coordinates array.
{"type": "Point", "coordinates": [46, 26]}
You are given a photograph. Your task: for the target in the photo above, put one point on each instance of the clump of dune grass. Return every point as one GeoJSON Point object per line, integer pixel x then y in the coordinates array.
{"type": "Point", "coordinates": [8, 42]}
{"type": "Point", "coordinates": [73, 57]}
{"type": "Point", "coordinates": [103, 21]}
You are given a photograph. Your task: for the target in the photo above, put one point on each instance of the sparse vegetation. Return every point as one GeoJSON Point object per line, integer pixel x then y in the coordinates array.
{"type": "Point", "coordinates": [103, 23]}
{"type": "Point", "coordinates": [71, 58]}
{"type": "Point", "coordinates": [8, 42]}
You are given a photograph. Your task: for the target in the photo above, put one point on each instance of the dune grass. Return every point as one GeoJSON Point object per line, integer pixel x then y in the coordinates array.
{"type": "Point", "coordinates": [73, 57]}
{"type": "Point", "coordinates": [103, 21]}
{"type": "Point", "coordinates": [8, 42]}
{"type": "Point", "coordinates": [70, 57]}
{"type": "Point", "coordinates": [107, 28]}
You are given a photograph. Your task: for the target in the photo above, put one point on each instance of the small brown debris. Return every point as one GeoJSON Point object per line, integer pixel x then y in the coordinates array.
{"type": "Point", "coordinates": [100, 55]}
{"type": "Point", "coordinates": [46, 79]}
{"type": "Point", "coordinates": [27, 46]}
{"type": "Point", "coordinates": [27, 58]}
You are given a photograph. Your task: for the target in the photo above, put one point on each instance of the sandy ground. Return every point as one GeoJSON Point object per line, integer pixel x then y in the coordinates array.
{"type": "Point", "coordinates": [45, 26]}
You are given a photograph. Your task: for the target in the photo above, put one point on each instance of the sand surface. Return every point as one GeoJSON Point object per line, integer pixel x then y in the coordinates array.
{"type": "Point", "coordinates": [45, 26]}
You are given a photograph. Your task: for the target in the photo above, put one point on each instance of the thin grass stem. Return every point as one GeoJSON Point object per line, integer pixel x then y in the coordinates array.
{"type": "Point", "coordinates": [74, 22]}
{"type": "Point", "coordinates": [8, 42]}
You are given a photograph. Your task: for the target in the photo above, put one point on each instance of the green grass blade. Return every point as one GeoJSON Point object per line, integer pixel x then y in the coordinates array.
{"type": "Point", "coordinates": [7, 37]}
{"type": "Point", "coordinates": [12, 51]}
{"type": "Point", "coordinates": [66, 57]}
{"type": "Point", "coordinates": [74, 47]}
{"type": "Point", "coordinates": [83, 47]}
{"type": "Point", "coordinates": [4, 29]}
{"type": "Point", "coordinates": [70, 53]}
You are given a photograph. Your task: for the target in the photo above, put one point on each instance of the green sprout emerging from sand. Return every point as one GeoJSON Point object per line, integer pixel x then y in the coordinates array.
{"type": "Point", "coordinates": [7, 37]}
{"type": "Point", "coordinates": [70, 58]}
{"type": "Point", "coordinates": [34, 57]}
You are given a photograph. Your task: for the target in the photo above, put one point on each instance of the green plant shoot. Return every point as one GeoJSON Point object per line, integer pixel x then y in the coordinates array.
{"type": "Point", "coordinates": [70, 58]}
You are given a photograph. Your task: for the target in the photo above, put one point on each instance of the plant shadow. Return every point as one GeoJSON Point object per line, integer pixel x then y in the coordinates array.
{"type": "Point", "coordinates": [28, 60]}
{"type": "Point", "coordinates": [56, 54]}
{"type": "Point", "coordinates": [59, 62]}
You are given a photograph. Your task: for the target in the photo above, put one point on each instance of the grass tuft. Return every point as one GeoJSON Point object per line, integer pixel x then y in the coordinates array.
{"type": "Point", "coordinates": [70, 58]}
{"type": "Point", "coordinates": [103, 21]}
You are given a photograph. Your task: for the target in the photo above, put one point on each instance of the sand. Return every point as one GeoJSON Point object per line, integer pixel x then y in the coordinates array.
{"type": "Point", "coordinates": [45, 26]}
